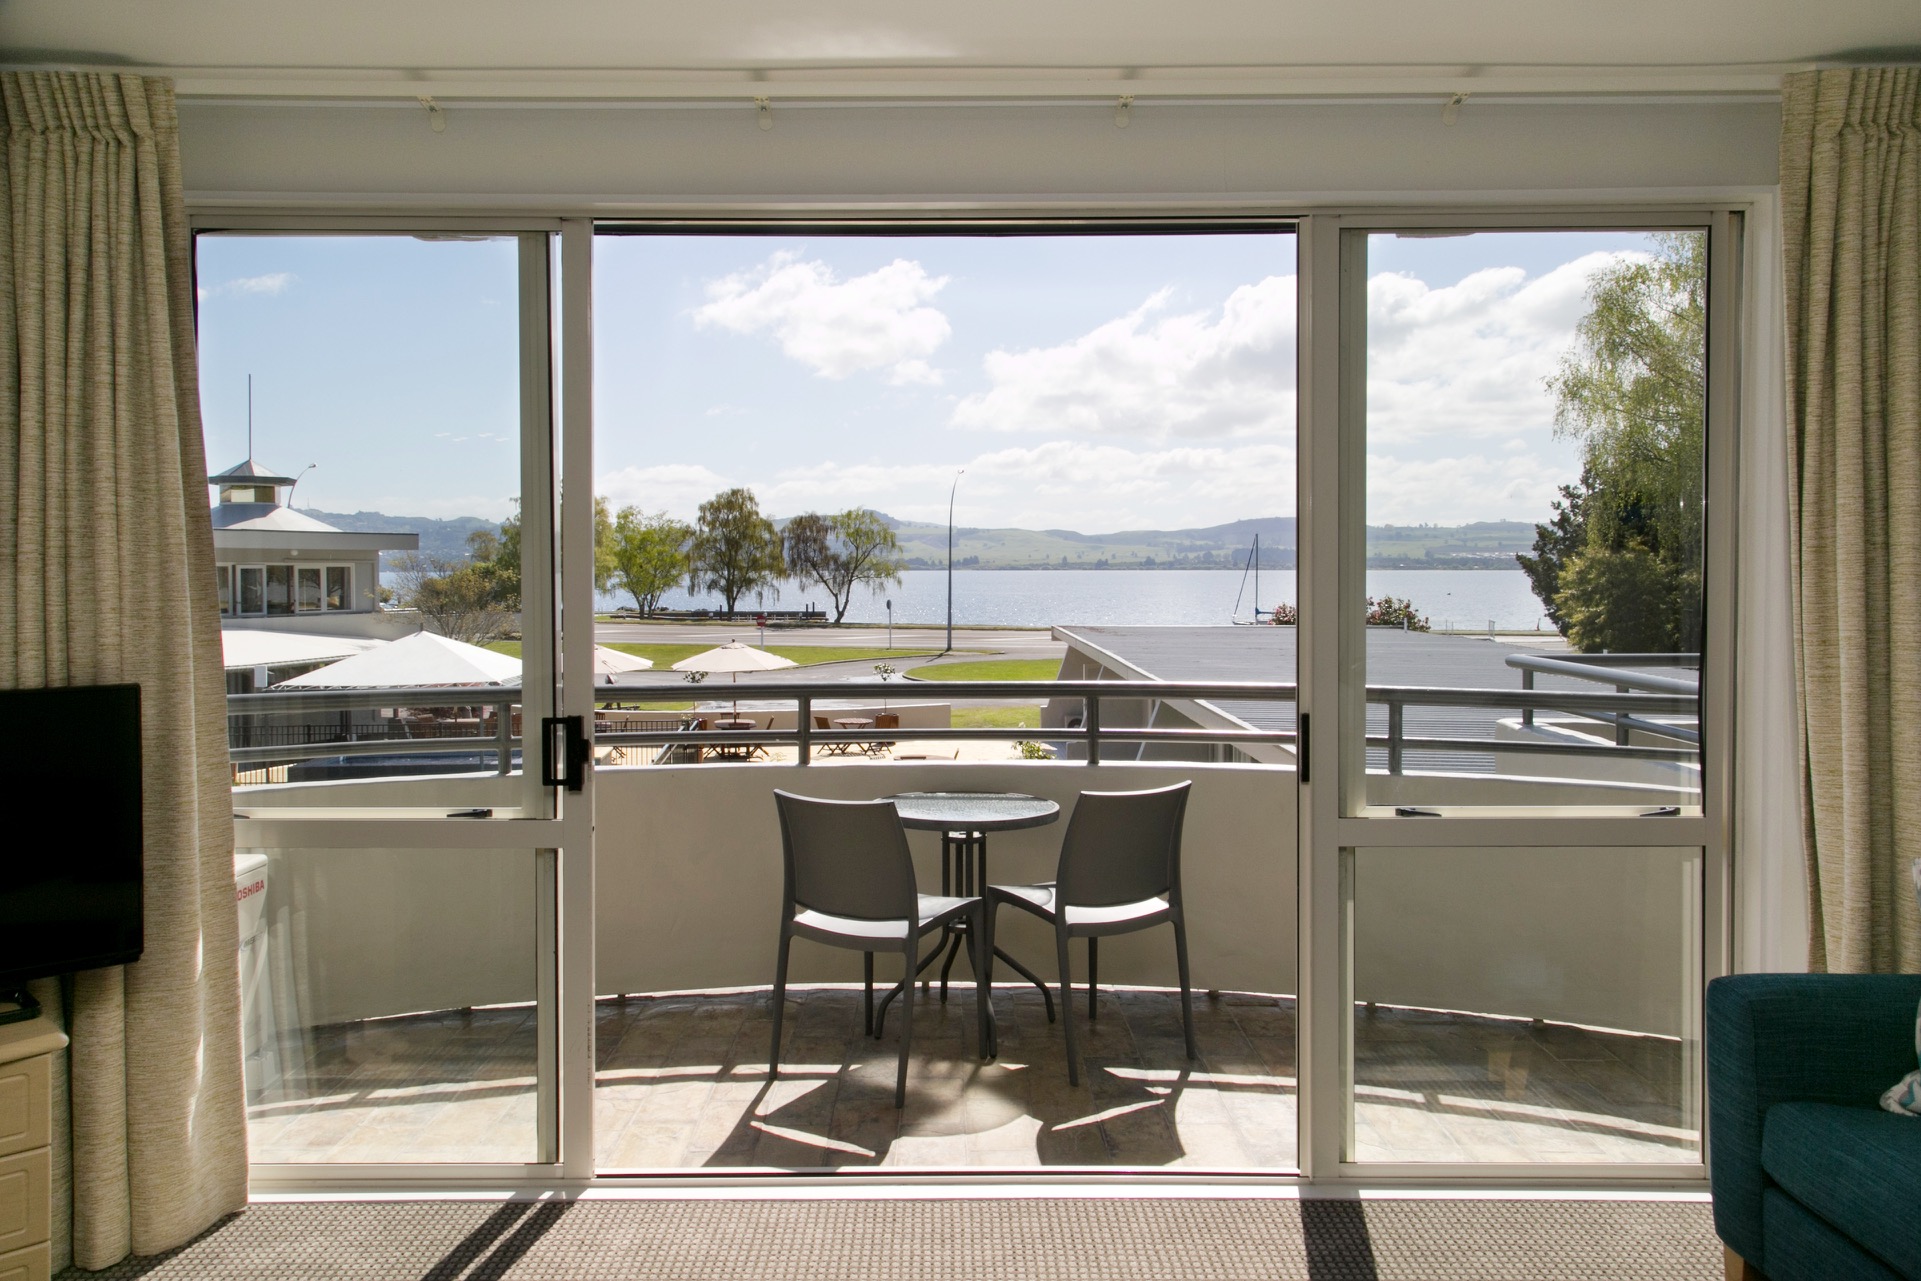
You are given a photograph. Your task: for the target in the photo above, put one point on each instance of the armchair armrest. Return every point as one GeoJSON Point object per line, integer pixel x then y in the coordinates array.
{"type": "Point", "coordinates": [1776, 1038]}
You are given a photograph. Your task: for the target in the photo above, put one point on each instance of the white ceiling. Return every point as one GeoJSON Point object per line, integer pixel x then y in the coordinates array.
{"type": "Point", "coordinates": [695, 48]}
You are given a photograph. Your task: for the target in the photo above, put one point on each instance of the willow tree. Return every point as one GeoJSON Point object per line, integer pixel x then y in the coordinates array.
{"type": "Point", "coordinates": [844, 552]}
{"type": "Point", "coordinates": [735, 549]}
{"type": "Point", "coordinates": [1619, 567]}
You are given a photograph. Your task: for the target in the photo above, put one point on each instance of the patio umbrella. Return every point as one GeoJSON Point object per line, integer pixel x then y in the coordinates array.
{"type": "Point", "coordinates": [612, 662]}
{"type": "Point", "coordinates": [417, 660]}
{"type": "Point", "coordinates": [734, 658]}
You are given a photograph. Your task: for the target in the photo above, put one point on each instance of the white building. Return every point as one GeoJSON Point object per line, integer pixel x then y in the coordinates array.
{"type": "Point", "coordinates": [294, 592]}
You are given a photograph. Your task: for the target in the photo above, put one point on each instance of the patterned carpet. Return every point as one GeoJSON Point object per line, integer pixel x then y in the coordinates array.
{"type": "Point", "coordinates": [1007, 1240]}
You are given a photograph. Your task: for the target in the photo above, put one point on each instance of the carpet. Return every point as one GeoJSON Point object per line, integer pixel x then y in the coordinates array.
{"type": "Point", "coordinates": [967, 1240]}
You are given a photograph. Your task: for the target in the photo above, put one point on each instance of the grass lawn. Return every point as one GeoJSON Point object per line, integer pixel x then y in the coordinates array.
{"type": "Point", "coordinates": [995, 669]}
{"type": "Point", "coordinates": [804, 655]}
{"type": "Point", "coordinates": [1022, 716]}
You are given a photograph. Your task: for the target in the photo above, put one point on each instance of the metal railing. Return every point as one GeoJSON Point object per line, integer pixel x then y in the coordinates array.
{"type": "Point", "coordinates": [1598, 668]}
{"type": "Point", "coordinates": [489, 737]}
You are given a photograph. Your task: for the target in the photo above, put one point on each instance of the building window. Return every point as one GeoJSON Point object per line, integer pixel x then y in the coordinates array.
{"type": "Point", "coordinates": [253, 589]}
{"type": "Point", "coordinates": [340, 593]}
{"type": "Point", "coordinates": [280, 589]}
{"type": "Point", "coordinates": [223, 581]}
{"type": "Point", "coordinates": [307, 597]}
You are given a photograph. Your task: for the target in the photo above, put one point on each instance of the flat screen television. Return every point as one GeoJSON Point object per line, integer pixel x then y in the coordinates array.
{"type": "Point", "coordinates": [70, 872]}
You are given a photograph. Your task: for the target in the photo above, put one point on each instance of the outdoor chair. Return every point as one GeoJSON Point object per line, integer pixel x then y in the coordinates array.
{"type": "Point", "coordinates": [883, 720]}
{"type": "Point", "coordinates": [1119, 871]}
{"type": "Point", "coordinates": [848, 881]}
{"type": "Point", "coordinates": [841, 748]}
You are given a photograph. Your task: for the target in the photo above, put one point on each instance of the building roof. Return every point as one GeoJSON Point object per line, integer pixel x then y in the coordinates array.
{"type": "Point", "coordinates": [248, 472]}
{"type": "Point", "coordinates": [1393, 658]}
{"type": "Point", "coordinates": [268, 518]}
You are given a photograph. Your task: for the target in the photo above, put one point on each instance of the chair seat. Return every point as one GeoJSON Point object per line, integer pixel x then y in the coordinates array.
{"type": "Point", "coordinates": [933, 908]}
{"type": "Point", "coordinates": [1039, 899]}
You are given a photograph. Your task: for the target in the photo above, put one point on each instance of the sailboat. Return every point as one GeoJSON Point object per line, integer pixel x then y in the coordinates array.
{"type": "Point", "coordinates": [1253, 565]}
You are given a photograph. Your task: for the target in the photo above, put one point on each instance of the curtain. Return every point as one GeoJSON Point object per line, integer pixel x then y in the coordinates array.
{"type": "Point", "coordinates": [106, 574]}
{"type": "Point", "coordinates": [1851, 221]}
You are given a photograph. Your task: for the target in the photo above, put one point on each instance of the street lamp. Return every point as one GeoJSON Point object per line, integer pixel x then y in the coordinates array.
{"type": "Point", "coordinates": [950, 557]}
{"type": "Point", "coordinates": [296, 480]}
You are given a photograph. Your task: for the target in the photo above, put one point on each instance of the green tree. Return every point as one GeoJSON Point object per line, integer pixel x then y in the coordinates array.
{"type": "Point", "coordinates": [1556, 541]}
{"type": "Point", "coordinates": [735, 549]}
{"type": "Point", "coordinates": [1632, 392]}
{"type": "Point", "coordinates": [606, 557]}
{"type": "Point", "coordinates": [1624, 600]}
{"type": "Point", "coordinates": [464, 600]}
{"type": "Point", "coordinates": [650, 555]}
{"type": "Point", "coordinates": [843, 552]}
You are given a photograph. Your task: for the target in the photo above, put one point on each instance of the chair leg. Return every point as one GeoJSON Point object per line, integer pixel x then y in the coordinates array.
{"type": "Point", "coordinates": [867, 978]}
{"type": "Point", "coordinates": [1093, 971]}
{"type": "Point", "coordinates": [906, 1026]}
{"type": "Point", "coordinates": [979, 950]}
{"type": "Point", "coordinates": [1067, 1005]}
{"type": "Point", "coordinates": [1187, 992]}
{"type": "Point", "coordinates": [780, 1004]}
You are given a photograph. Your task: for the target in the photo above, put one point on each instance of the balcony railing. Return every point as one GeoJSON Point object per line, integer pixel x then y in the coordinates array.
{"type": "Point", "coordinates": [263, 733]}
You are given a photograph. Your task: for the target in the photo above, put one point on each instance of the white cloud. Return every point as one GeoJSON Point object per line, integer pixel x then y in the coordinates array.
{"type": "Point", "coordinates": [1080, 485]}
{"type": "Point", "coordinates": [1470, 360]}
{"type": "Point", "coordinates": [1468, 487]}
{"type": "Point", "coordinates": [276, 282]}
{"type": "Point", "coordinates": [879, 321]}
{"type": "Point", "coordinates": [676, 488]}
{"type": "Point", "coordinates": [1156, 376]}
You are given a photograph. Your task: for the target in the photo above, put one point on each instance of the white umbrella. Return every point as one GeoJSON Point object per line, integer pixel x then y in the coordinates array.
{"type": "Point", "coordinates": [734, 658]}
{"type": "Point", "coordinates": [417, 660]}
{"type": "Point", "coordinates": [612, 662]}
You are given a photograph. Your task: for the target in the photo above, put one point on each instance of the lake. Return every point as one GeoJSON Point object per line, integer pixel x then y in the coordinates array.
{"type": "Point", "coordinates": [1451, 599]}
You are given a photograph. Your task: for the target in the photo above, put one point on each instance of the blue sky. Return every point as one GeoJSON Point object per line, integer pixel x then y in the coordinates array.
{"type": "Point", "coordinates": [1089, 383]}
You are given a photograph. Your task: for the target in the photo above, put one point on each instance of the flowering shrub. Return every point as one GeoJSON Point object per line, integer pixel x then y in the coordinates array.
{"type": "Point", "coordinates": [1389, 612]}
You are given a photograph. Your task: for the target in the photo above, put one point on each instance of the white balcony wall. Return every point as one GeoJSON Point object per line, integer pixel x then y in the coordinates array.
{"type": "Point", "coordinates": [688, 893]}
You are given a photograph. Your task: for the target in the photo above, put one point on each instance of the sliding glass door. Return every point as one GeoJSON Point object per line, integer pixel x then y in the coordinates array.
{"type": "Point", "coordinates": [1516, 835]}
{"type": "Point", "coordinates": [380, 407]}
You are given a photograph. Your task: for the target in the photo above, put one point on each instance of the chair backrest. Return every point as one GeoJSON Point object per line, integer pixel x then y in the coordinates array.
{"type": "Point", "coordinates": [846, 858]}
{"type": "Point", "coordinates": [820, 722]}
{"type": "Point", "coordinates": [1123, 847]}
{"type": "Point", "coordinates": [887, 720]}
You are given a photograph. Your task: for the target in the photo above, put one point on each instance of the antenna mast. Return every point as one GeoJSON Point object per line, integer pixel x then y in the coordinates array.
{"type": "Point", "coordinates": [249, 417]}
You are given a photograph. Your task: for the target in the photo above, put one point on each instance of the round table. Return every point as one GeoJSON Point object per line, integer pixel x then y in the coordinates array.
{"type": "Point", "coordinates": [964, 819]}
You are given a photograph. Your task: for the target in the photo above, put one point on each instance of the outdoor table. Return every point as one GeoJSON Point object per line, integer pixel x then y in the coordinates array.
{"type": "Point", "coordinates": [738, 751]}
{"type": "Point", "coordinates": [964, 819]}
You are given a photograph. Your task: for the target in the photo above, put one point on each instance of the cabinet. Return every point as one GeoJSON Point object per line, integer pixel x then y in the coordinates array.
{"type": "Point", "coordinates": [26, 1148]}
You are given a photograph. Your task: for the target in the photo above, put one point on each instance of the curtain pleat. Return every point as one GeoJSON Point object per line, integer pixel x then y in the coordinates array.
{"type": "Point", "coordinates": [106, 574]}
{"type": "Point", "coordinates": [1851, 215]}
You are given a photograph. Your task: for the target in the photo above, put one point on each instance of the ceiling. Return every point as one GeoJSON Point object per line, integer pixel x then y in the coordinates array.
{"type": "Point", "coordinates": [696, 48]}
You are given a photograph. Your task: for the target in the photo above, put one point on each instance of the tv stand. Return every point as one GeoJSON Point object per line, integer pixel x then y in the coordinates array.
{"type": "Point", "coordinates": [28, 1008]}
{"type": "Point", "coordinates": [26, 1154]}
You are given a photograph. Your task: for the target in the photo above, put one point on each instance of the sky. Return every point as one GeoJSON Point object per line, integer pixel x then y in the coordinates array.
{"type": "Point", "coordinates": [1092, 383]}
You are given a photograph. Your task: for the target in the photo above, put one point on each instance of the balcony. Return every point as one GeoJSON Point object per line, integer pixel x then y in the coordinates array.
{"type": "Point", "coordinates": [396, 1018]}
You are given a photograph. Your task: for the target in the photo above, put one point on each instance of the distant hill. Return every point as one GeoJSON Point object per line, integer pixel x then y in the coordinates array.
{"type": "Point", "coordinates": [1483, 545]}
{"type": "Point", "coordinates": [439, 539]}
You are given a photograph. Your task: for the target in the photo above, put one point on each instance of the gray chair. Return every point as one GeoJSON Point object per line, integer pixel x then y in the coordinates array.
{"type": "Point", "coordinates": [1120, 871]}
{"type": "Point", "coordinates": [849, 882]}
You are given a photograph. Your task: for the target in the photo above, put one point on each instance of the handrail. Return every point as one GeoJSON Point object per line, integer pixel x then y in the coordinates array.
{"type": "Point", "coordinates": [1580, 667]}
{"type": "Point", "coordinates": [500, 741]}
{"type": "Point", "coordinates": [1531, 663]}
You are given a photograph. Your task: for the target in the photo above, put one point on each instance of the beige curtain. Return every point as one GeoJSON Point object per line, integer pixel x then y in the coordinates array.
{"type": "Point", "coordinates": [106, 574]}
{"type": "Point", "coordinates": [1851, 215]}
